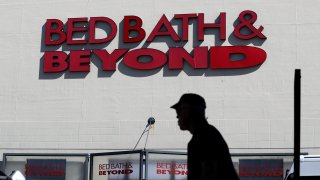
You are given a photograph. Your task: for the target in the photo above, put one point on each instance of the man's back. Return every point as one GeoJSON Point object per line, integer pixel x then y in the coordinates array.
{"type": "Point", "coordinates": [209, 157]}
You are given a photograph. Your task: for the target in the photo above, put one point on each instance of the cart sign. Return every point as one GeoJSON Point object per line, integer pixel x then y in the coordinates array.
{"type": "Point", "coordinates": [261, 169]}
{"type": "Point", "coordinates": [49, 169]}
{"type": "Point", "coordinates": [167, 169]}
{"type": "Point", "coordinates": [79, 58]}
{"type": "Point", "coordinates": [112, 169]}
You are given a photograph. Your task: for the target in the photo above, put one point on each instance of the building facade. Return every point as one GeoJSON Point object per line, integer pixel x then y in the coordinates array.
{"type": "Point", "coordinates": [85, 104]}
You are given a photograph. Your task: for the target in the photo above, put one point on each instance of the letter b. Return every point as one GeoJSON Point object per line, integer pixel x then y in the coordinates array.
{"type": "Point", "coordinates": [137, 28]}
{"type": "Point", "coordinates": [51, 31]}
{"type": "Point", "coordinates": [55, 61]}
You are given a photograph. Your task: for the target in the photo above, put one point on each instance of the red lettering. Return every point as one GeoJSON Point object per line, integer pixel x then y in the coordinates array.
{"type": "Point", "coordinates": [185, 24]}
{"type": "Point", "coordinates": [221, 57]}
{"type": "Point", "coordinates": [109, 60]}
{"type": "Point", "coordinates": [72, 29]}
{"type": "Point", "coordinates": [127, 28]}
{"type": "Point", "coordinates": [111, 23]}
{"type": "Point", "coordinates": [169, 31]}
{"type": "Point", "coordinates": [50, 31]}
{"type": "Point", "coordinates": [101, 166]}
{"type": "Point", "coordinates": [268, 173]}
{"type": "Point", "coordinates": [126, 171]}
{"type": "Point", "coordinates": [278, 173]}
{"type": "Point", "coordinates": [184, 173]}
{"type": "Point", "coordinates": [221, 25]}
{"type": "Point", "coordinates": [247, 22]}
{"type": "Point", "coordinates": [178, 55]}
{"type": "Point", "coordinates": [80, 61]}
{"type": "Point", "coordinates": [241, 173]}
{"type": "Point", "coordinates": [55, 61]}
{"type": "Point", "coordinates": [158, 59]}
{"type": "Point", "coordinates": [47, 173]}
{"type": "Point", "coordinates": [176, 172]}
{"type": "Point", "coordinates": [261, 174]}
{"type": "Point", "coordinates": [159, 165]}
{"type": "Point", "coordinates": [148, 59]}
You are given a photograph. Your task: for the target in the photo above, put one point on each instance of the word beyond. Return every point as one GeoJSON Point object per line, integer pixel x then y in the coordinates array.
{"type": "Point", "coordinates": [215, 57]}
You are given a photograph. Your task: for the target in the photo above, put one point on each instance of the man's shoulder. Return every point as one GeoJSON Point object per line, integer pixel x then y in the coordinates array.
{"type": "Point", "coordinates": [211, 130]}
{"type": "Point", "coordinates": [213, 136]}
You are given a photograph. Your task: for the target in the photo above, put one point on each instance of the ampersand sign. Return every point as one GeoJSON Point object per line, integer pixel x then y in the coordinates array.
{"type": "Point", "coordinates": [248, 23]}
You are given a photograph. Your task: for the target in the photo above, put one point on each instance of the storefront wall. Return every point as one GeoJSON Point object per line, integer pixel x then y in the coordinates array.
{"type": "Point", "coordinates": [108, 110]}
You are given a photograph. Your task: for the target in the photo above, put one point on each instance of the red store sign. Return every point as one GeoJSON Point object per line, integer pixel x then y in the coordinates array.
{"type": "Point", "coordinates": [203, 57]}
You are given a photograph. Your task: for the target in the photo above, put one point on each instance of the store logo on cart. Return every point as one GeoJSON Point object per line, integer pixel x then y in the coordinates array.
{"type": "Point", "coordinates": [115, 168]}
{"type": "Point", "coordinates": [132, 31]}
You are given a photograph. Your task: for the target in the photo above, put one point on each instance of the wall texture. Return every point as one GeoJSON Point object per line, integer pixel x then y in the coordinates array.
{"type": "Point", "coordinates": [99, 111]}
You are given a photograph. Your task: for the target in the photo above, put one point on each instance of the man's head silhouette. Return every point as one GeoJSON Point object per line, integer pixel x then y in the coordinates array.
{"type": "Point", "coordinates": [190, 111]}
{"type": "Point", "coordinates": [191, 99]}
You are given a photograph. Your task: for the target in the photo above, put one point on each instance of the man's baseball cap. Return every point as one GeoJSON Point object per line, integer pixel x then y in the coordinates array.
{"type": "Point", "coordinates": [194, 100]}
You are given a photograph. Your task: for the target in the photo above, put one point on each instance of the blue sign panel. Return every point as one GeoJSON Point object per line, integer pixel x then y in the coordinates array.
{"type": "Point", "coordinates": [48, 169]}
{"type": "Point", "coordinates": [258, 169]}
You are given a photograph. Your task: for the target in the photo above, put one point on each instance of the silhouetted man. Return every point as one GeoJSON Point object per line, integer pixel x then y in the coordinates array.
{"type": "Point", "coordinates": [208, 153]}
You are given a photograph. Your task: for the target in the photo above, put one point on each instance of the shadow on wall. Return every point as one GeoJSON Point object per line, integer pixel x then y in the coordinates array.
{"type": "Point", "coordinates": [124, 69]}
